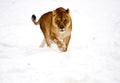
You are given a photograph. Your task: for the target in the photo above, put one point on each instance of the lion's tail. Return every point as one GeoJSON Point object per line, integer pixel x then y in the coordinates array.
{"type": "Point", "coordinates": [34, 20]}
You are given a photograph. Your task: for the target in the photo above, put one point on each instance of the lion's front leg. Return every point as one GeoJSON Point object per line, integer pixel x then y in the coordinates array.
{"type": "Point", "coordinates": [66, 41]}
{"type": "Point", "coordinates": [61, 45]}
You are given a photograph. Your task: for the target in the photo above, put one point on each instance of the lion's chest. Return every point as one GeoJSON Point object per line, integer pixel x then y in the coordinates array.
{"type": "Point", "coordinates": [62, 35]}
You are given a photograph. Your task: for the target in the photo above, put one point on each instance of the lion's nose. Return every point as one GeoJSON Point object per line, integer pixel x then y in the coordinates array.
{"type": "Point", "coordinates": [61, 27]}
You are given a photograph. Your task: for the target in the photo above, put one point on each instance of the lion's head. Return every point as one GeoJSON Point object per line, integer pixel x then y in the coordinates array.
{"type": "Point", "coordinates": [61, 18]}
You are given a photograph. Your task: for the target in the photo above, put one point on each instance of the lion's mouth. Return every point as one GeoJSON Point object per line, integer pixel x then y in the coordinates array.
{"type": "Point", "coordinates": [62, 30]}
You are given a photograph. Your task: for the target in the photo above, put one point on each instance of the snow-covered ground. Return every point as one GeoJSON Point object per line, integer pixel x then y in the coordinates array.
{"type": "Point", "coordinates": [94, 50]}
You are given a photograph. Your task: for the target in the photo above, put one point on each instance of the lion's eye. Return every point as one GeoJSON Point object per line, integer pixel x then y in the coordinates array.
{"type": "Point", "coordinates": [65, 21]}
{"type": "Point", "coordinates": [57, 21]}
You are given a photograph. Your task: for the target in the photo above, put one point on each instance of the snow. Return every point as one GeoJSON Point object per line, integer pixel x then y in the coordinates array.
{"type": "Point", "coordinates": [93, 55]}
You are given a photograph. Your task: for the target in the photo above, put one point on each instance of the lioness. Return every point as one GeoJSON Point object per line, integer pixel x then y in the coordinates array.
{"type": "Point", "coordinates": [56, 26]}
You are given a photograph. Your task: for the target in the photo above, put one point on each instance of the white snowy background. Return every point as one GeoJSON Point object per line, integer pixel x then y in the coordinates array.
{"type": "Point", "coordinates": [94, 50]}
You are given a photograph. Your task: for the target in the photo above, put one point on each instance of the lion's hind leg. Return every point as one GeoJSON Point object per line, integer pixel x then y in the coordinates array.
{"type": "Point", "coordinates": [46, 41]}
{"type": "Point", "coordinates": [43, 43]}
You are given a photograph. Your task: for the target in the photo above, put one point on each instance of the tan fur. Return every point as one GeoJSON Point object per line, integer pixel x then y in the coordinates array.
{"type": "Point", "coordinates": [56, 26]}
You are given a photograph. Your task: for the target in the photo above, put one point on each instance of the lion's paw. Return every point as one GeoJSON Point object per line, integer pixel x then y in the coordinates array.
{"type": "Point", "coordinates": [63, 48]}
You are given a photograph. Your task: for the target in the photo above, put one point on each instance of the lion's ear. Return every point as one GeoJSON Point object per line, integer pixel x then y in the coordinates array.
{"type": "Point", "coordinates": [67, 11]}
{"type": "Point", "coordinates": [53, 12]}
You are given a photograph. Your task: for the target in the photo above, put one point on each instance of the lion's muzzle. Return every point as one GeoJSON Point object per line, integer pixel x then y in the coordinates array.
{"type": "Point", "coordinates": [62, 29]}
